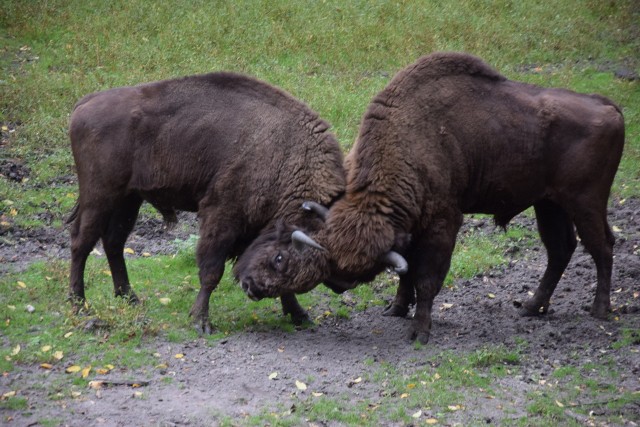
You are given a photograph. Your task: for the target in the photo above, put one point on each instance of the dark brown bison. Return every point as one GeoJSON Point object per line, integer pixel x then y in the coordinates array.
{"type": "Point", "coordinates": [448, 136]}
{"type": "Point", "coordinates": [240, 152]}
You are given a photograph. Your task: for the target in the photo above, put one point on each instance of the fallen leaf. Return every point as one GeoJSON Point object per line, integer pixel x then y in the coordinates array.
{"type": "Point", "coordinates": [22, 284]}
{"type": "Point", "coordinates": [58, 355]}
{"type": "Point", "coordinates": [15, 350]}
{"type": "Point", "coordinates": [76, 394]}
{"type": "Point", "coordinates": [164, 301]}
{"type": "Point", "coordinates": [411, 386]}
{"type": "Point", "coordinates": [137, 393]}
{"type": "Point", "coordinates": [73, 369]}
{"type": "Point", "coordinates": [179, 356]}
{"type": "Point", "coordinates": [11, 307]}
{"type": "Point", "coordinates": [417, 414]}
{"type": "Point", "coordinates": [636, 294]}
{"type": "Point", "coordinates": [446, 306]}
{"type": "Point", "coordinates": [300, 385]}
{"type": "Point", "coordinates": [436, 376]}
{"type": "Point", "coordinates": [490, 295]}
{"type": "Point", "coordinates": [146, 254]}
{"type": "Point", "coordinates": [85, 371]}
{"type": "Point", "coordinates": [46, 365]}
{"type": "Point", "coordinates": [68, 334]}
{"type": "Point", "coordinates": [317, 394]}
{"type": "Point", "coordinates": [109, 367]}
{"type": "Point", "coordinates": [102, 371]}
{"type": "Point", "coordinates": [96, 384]}
{"type": "Point", "coordinates": [404, 395]}
{"type": "Point", "coordinates": [129, 251]}
{"type": "Point", "coordinates": [454, 407]}
{"type": "Point", "coordinates": [616, 229]}
{"type": "Point", "coordinates": [106, 273]}
{"type": "Point", "coordinates": [431, 421]}
{"type": "Point", "coordinates": [5, 128]}
{"type": "Point", "coordinates": [559, 404]}
{"type": "Point", "coordinates": [8, 394]}
{"type": "Point", "coordinates": [162, 366]}
{"type": "Point", "coordinates": [273, 375]}
{"type": "Point", "coordinates": [357, 380]}
{"type": "Point", "coordinates": [280, 349]}
{"type": "Point", "coordinates": [45, 348]}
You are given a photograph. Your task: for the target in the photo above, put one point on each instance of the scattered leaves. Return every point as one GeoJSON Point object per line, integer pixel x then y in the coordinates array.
{"type": "Point", "coordinates": [85, 371]}
{"type": "Point", "coordinates": [96, 385]}
{"type": "Point", "coordinates": [164, 301]}
{"type": "Point", "coordinates": [273, 375]}
{"type": "Point", "coordinates": [490, 295]}
{"type": "Point", "coordinates": [45, 348]}
{"type": "Point", "coordinates": [431, 421]}
{"type": "Point", "coordinates": [68, 334]}
{"type": "Point", "coordinates": [300, 385]}
{"type": "Point", "coordinates": [58, 355]}
{"type": "Point", "coordinates": [616, 229]}
{"type": "Point", "coordinates": [559, 404]}
{"type": "Point", "coordinates": [179, 356]}
{"type": "Point", "coordinates": [404, 395]}
{"type": "Point", "coordinates": [417, 415]}
{"type": "Point", "coordinates": [73, 369]}
{"type": "Point", "coordinates": [317, 394]}
{"type": "Point", "coordinates": [8, 394]}
{"type": "Point", "coordinates": [46, 365]}
{"type": "Point", "coordinates": [129, 251]}
{"type": "Point", "coordinates": [22, 284]}
{"type": "Point", "coordinates": [445, 306]}
{"type": "Point", "coordinates": [15, 350]}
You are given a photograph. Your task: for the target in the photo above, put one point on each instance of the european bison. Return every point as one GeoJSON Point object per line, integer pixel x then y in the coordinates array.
{"type": "Point", "coordinates": [448, 136]}
{"type": "Point", "coordinates": [240, 152]}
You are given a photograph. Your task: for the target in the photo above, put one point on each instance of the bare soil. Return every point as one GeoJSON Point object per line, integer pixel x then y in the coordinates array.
{"type": "Point", "coordinates": [231, 377]}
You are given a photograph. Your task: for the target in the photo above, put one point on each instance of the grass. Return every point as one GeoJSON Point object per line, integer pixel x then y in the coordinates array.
{"type": "Point", "coordinates": [335, 56]}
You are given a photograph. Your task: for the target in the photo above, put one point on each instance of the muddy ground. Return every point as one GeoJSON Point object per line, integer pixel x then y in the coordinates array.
{"type": "Point", "coordinates": [231, 377]}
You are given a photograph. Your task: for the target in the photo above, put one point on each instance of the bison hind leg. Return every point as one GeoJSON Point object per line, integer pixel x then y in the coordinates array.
{"type": "Point", "coordinates": [114, 237]}
{"type": "Point", "coordinates": [290, 305]}
{"type": "Point", "coordinates": [559, 238]}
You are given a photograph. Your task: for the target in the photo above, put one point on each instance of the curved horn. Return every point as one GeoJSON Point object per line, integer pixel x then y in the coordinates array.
{"type": "Point", "coordinates": [317, 208]}
{"type": "Point", "coordinates": [300, 240]}
{"type": "Point", "coordinates": [397, 261]}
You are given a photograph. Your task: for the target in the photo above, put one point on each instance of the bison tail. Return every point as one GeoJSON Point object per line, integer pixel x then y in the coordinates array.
{"type": "Point", "coordinates": [73, 214]}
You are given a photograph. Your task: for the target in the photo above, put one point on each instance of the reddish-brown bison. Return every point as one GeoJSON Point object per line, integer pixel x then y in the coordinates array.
{"type": "Point", "coordinates": [448, 136]}
{"type": "Point", "coordinates": [240, 152]}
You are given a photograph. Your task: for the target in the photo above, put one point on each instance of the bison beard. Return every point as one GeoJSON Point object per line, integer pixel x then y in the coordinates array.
{"type": "Point", "coordinates": [448, 136]}
{"type": "Point", "coordinates": [240, 152]}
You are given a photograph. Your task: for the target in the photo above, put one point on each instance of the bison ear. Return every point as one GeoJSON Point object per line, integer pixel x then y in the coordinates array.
{"type": "Point", "coordinates": [316, 208]}
{"type": "Point", "coordinates": [395, 260]}
{"type": "Point", "coordinates": [301, 241]}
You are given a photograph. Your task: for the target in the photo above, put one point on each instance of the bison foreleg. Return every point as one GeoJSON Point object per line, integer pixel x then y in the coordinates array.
{"type": "Point", "coordinates": [291, 306]}
{"type": "Point", "coordinates": [405, 297]}
{"type": "Point", "coordinates": [429, 266]}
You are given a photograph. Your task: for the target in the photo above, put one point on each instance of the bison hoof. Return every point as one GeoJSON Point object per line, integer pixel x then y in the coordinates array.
{"type": "Point", "coordinates": [600, 312]}
{"type": "Point", "coordinates": [420, 336]}
{"type": "Point", "coordinates": [395, 310]}
{"type": "Point", "coordinates": [301, 319]}
{"type": "Point", "coordinates": [532, 310]}
{"type": "Point", "coordinates": [203, 327]}
{"type": "Point", "coordinates": [131, 298]}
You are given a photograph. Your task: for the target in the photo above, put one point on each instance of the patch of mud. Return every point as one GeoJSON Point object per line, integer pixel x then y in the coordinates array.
{"type": "Point", "coordinates": [231, 377]}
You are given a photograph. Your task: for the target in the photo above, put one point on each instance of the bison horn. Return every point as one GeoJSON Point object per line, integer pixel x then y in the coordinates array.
{"type": "Point", "coordinates": [317, 208]}
{"type": "Point", "coordinates": [300, 240]}
{"type": "Point", "coordinates": [397, 261]}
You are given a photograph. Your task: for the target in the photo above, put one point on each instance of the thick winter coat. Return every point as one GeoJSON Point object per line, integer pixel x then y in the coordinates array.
{"type": "Point", "coordinates": [449, 135]}
{"type": "Point", "coordinates": [240, 152]}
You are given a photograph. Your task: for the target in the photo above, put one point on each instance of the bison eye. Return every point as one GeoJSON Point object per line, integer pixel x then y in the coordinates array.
{"type": "Point", "coordinates": [278, 261]}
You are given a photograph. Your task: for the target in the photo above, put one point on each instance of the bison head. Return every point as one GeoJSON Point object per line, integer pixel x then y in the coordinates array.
{"type": "Point", "coordinates": [286, 260]}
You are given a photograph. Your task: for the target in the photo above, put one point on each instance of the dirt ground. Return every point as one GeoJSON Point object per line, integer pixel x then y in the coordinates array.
{"type": "Point", "coordinates": [231, 377]}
